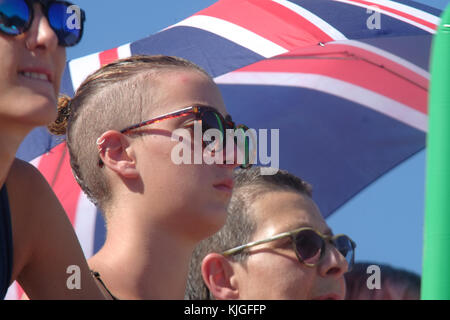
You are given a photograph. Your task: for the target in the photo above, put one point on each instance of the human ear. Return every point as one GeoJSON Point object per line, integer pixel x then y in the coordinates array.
{"type": "Point", "coordinates": [116, 154]}
{"type": "Point", "coordinates": [218, 273]}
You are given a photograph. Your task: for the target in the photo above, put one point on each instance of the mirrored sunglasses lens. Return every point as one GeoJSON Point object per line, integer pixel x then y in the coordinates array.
{"type": "Point", "coordinates": [309, 246]}
{"type": "Point", "coordinates": [14, 16]}
{"type": "Point", "coordinates": [212, 120]}
{"type": "Point", "coordinates": [246, 145]}
{"type": "Point", "coordinates": [345, 247]}
{"type": "Point", "coordinates": [66, 21]}
{"type": "Point", "coordinates": [243, 146]}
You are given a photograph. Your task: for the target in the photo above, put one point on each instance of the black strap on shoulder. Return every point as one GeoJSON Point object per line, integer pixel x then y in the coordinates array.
{"type": "Point", "coordinates": [97, 276]}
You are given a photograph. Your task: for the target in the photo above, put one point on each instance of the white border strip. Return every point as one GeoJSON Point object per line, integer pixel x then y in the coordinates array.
{"type": "Point", "coordinates": [329, 85]}
{"type": "Point", "coordinates": [234, 33]}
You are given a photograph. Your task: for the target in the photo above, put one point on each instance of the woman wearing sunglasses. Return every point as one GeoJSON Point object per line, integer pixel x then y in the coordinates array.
{"type": "Point", "coordinates": [121, 131]}
{"type": "Point", "coordinates": [37, 243]}
{"type": "Point", "coordinates": [274, 245]}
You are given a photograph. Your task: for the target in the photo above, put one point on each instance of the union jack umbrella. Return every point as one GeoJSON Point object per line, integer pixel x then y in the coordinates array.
{"type": "Point", "coordinates": [349, 95]}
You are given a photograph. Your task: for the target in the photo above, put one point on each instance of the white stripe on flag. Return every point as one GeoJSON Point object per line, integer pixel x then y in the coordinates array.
{"type": "Point", "coordinates": [367, 98]}
{"type": "Point", "coordinates": [85, 224]}
{"type": "Point", "coordinates": [234, 33]}
{"type": "Point", "coordinates": [408, 10]}
{"type": "Point", "coordinates": [124, 51]}
{"type": "Point", "coordinates": [35, 162]}
{"type": "Point", "coordinates": [12, 293]}
{"type": "Point", "coordinates": [311, 17]}
{"type": "Point", "coordinates": [391, 14]}
{"type": "Point", "coordinates": [82, 67]}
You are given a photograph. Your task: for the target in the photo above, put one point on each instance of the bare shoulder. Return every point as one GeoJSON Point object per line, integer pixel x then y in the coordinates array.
{"type": "Point", "coordinates": [29, 192]}
{"type": "Point", "coordinates": [24, 176]}
{"type": "Point", "coordinates": [26, 187]}
{"type": "Point", "coordinates": [45, 243]}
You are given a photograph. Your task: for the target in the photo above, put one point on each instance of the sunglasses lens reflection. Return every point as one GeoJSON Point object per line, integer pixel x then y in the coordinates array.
{"type": "Point", "coordinates": [345, 247]}
{"type": "Point", "coordinates": [14, 16]}
{"type": "Point", "coordinates": [211, 120]}
{"type": "Point", "coordinates": [66, 23]}
{"type": "Point", "coordinates": [309, 246]}
{"type": "Point", "coordinates": [244, 143]}
{"type": "Point", "coordinates": [64, 18]}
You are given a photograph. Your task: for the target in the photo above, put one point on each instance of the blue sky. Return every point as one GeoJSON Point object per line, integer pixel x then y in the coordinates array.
{"type": "Point", "coordinates": [386, 220]}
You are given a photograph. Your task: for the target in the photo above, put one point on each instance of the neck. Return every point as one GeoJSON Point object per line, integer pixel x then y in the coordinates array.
{"type": "Point", "coordinates": [10, 141]}
{"type": "Point", "coordinates": [143, 262]}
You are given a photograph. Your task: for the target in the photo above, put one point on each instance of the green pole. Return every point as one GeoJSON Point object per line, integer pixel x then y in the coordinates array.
{"type": "Point", "coordinates": [436, 254]}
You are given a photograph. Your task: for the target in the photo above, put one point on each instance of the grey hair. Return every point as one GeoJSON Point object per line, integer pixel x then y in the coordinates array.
{"type": "Point", "coordinates": [240, 225]}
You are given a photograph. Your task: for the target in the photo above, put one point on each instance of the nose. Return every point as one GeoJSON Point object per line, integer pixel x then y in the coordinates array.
{"type": "Point", "coordinates": [333, 264]}
{"type": "Point", "coordinates": [231, 155]}
{"type": "Point", "coordinates": [41, 36]}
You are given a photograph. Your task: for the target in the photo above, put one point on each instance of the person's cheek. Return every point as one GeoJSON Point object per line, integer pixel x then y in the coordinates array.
{"type": "Point", "coordinates": [60, 58]}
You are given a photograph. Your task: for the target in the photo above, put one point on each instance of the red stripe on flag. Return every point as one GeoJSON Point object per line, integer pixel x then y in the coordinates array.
{"type": "Point", "coordinates": [55, 167]}
{"type": "Point", "coordinates": [108, 56]}
{"type": "Point", "coordinates": [270, 20]}
{"type": "Point", "coordinates": [352, 70]}
{"type": "Point", "coordinates": [20, 291]}
{"type": "Point", "coordinates": [399, 13]}
{"type": "Point", "coordinates": [338, 50]}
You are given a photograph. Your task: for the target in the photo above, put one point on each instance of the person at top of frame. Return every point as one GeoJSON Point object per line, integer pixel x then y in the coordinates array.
{"type": "Point", "coordinates": [37, 242]}
{"type": "Point", "coordinates": [120, 128]}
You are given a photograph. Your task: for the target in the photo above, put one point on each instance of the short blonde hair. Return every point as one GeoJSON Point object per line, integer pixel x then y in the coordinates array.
{"type": "Point", "coordinates": [111, 98]}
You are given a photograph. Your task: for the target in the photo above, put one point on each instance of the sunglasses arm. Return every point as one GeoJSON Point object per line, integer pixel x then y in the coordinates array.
{"type": "Point", "coordinates": [235, 250]}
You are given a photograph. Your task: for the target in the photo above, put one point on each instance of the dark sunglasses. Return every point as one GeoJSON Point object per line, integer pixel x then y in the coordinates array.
{"type": "Point", "coordinates": [309, 245]}
{"type": "Point", "coordinates": [16, 17]}
{"type": "Point", "coordinates": [211, 119]}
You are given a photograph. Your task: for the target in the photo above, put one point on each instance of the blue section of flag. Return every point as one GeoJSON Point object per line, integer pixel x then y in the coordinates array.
{"type": "Point", "coordinates": [351, 20]}
{"type": "Point", "coordinates": [337, 145]}
{"type": "Point", "coordinates": [100, 232]}
{"type": "Point", "coordinates": [405, 48]}
{"type": "Point", "coordinates": [211, 52]}
{"type": "Point", "coordinates": [66, 82]}
{"type": "Point", "coordinates": [37, 143]}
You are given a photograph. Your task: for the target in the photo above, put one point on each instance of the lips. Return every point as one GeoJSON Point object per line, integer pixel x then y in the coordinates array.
{"type": "Point", "coordinates": [37, 74]}
{"type": "Point", "coordinates": [330, 296]}
{"type": "Point", "coordinates": [225, 185]}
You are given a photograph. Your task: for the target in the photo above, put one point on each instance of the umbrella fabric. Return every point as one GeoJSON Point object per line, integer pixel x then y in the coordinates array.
{"type": "Point", "coordinates": [347, 113]}
{"type": "Point", "coordinates": [234, 39]}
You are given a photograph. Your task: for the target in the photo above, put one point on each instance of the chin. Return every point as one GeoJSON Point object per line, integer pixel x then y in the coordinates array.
{"type": "Point", "coordinates": [42, 113]}
{"type": "Point", "coordinates": [210, 222]}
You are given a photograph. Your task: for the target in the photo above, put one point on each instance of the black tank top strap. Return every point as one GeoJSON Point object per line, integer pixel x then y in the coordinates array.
{"type": "Point", "coordinates": [6, 246]}
{"type": "Point", "coordinates": [99, 279]}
